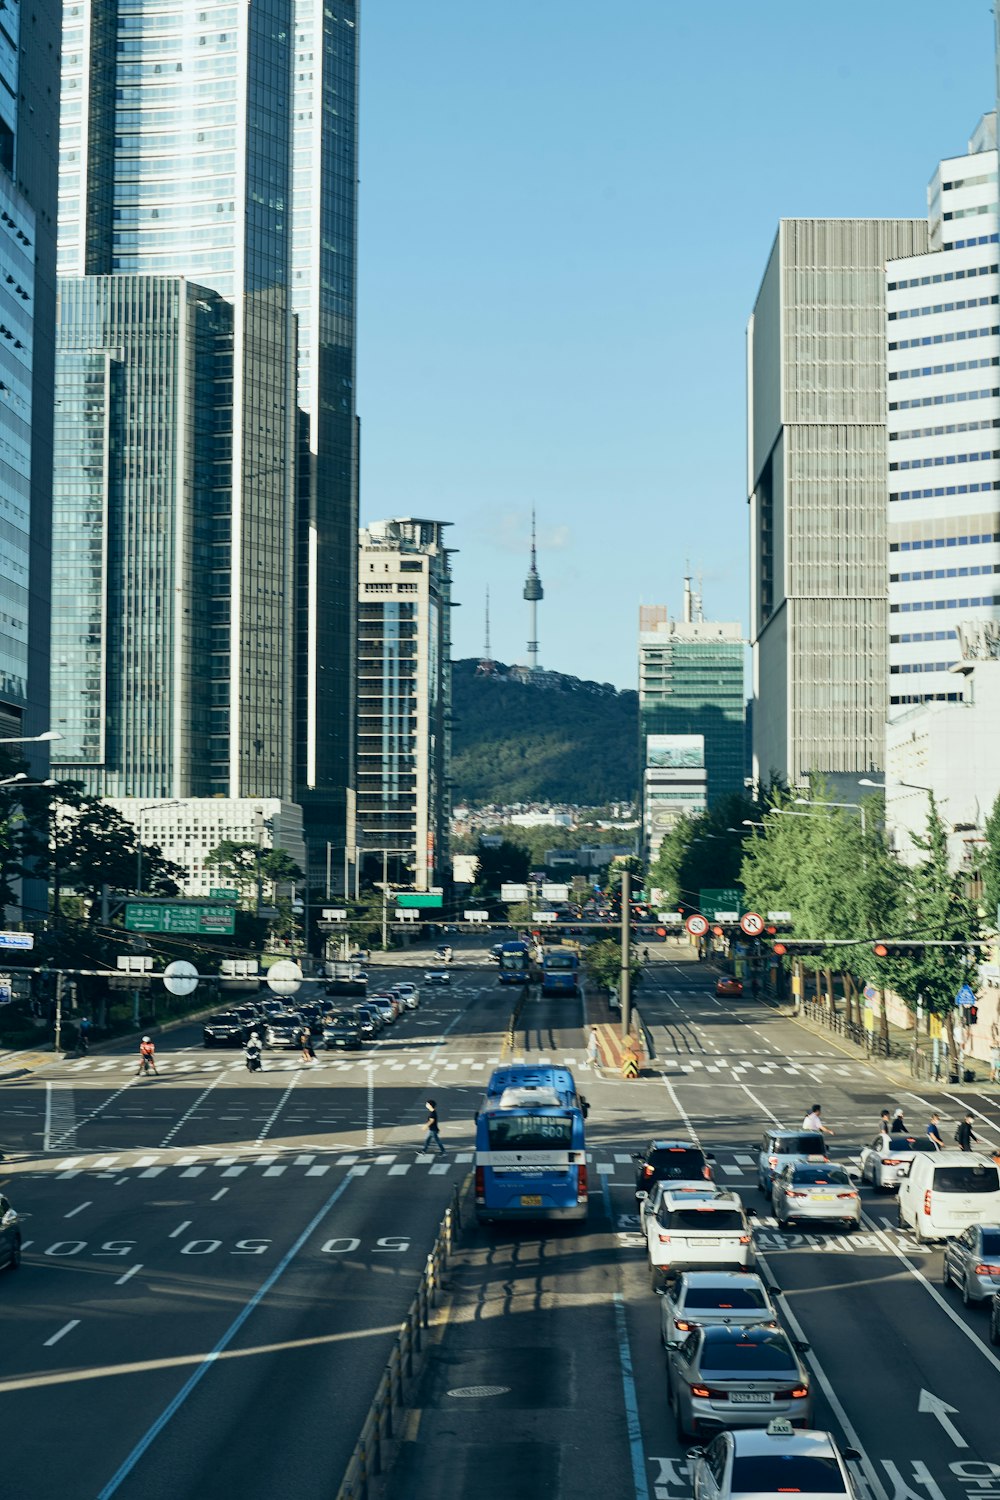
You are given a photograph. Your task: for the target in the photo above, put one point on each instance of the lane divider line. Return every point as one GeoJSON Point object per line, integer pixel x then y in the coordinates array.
{"type": "Point", "coordinates": [188, 1113]}
{"type": "Point", "coordinates": [66, 1328]}
{"type": "Point", "coordinates": [634, 1428]}
{"type": "Point", "coordinates": [276, 1111]}
{"type": "Point", "coordinates": [152, 1433]}
{"type": "Point", "coordinates": [128, 1275]}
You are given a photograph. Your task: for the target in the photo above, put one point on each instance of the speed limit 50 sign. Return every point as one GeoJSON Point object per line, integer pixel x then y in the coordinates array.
{"type": "Point", "coordinates": [697, 925]}
{"type": "Point", "coordinates": [752, 924]}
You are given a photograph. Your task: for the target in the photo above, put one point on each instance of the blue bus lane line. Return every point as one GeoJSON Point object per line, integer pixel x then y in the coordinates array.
{"type": "Point", "coordinates": [636, 1452]}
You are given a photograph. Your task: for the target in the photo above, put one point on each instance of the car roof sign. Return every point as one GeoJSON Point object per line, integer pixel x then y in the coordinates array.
{"type": "Point", "coordinates": [780, 1427]}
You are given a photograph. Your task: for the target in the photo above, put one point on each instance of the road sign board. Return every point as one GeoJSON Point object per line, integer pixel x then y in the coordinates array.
{"type": "Point", "coordinates": [165, 916]}
{"type": "Point", "coordinates": [543, 916]}
{"type": "Point", "coordinates": [669, 918]}
{"type": "Point", "coordinates": [870, 992]}
{"type": "Point", "coordinates": [697, 925]}
{"type": "Point", "coordinates": [17, 939]}
{"type": "Point", "coordinates": [513, 892]}
{"type": "Point", "coordinates": [554, 892]}
{"type": "Point", "coordinates": [752, 923]}
{"type": "Point", "coordinates": [180, 977]}
{"type": "Point", "coordinates": [477, 916]}
{"type": "Point", "coordinates": [134, 963]}
{"type": "Point", "coordinates": [965, 996]}
{"type": "Point", "coordinates": [717, 905]}
{"type": "Point", "coordinates": [420, 898]}
{"type": "Point", "coordinates": [779, 916]}
{"type": "Point", "coordinates": [223, 893]}
{"type": "Point", "coordinates": [334, 914]}
{"type": "Point", "coordinates": [406, 915]}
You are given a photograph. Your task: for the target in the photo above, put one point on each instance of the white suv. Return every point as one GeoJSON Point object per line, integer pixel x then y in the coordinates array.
{"type": "Point", "coordinates": [692, 1231]}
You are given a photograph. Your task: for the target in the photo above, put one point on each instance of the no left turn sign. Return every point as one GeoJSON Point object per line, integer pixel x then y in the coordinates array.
{"type": "Point", "coordinates": [752, 924]}
{"type": "Point", "coordinates": [697, 925]}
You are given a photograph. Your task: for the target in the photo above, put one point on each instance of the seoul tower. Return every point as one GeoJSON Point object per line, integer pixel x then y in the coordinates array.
{"type": "Point", "coordinates": [533, 592]}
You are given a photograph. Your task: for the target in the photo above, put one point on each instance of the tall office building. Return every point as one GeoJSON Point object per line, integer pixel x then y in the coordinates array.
{"type": "Point", "coordinates": [816, 382]}
{"type": "Point", "coordinates": [943, 426]}
{"type": "Point", "coordinates": [217, 143]}
{"type": "Point", "coordinates": [404, 697]}
{"type": "Point", "coordinates": [29, 129]}
{"type": "Point", "coordinates": [691, 713]}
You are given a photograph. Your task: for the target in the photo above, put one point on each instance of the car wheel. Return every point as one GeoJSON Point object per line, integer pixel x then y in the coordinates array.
{"type": "Point", "coordinates": [655, 1276]}
{"type": "Point", "coordinates": [918, 1233]}
{"type": "Point", "coordinates": [850, 1225]}
{"type": "Point", "coordinates": [900, 1221]}
{"type": "Point", "coordinates": [945, 1275]}
{"type": "Point", "coordinates": [967, 1299]}
{"type": "Point", "coordinates": [15, 1256]}
{"type": "Point", "coordinates": [682, 1433]}
{"type": "Point", "coordinates": [994, 1328]}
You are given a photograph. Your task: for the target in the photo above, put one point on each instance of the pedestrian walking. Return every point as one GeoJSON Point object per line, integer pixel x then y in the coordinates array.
{"type": "Point", "coordinates": [883, 1123]}
{"type": "Point", "coordinates": [934, 1131]}
{"type": "Point", "coordinates": [965, 1135]}
{"type": "Point", "coordinates": [433, 1136]}
{"type": "Point", "coordinates": [305, 1042]}
{"type": "Point", "coordinates": [814, 1121]}
{"type": "Point", "coordinates": [898, 1126]}
{"type": "Point", "coordinates": [593, 1047]}
{"type": "Point", "coordinates": [147, 1056]}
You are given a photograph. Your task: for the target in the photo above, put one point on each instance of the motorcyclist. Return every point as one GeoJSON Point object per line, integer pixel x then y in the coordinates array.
{"type": "Point", "coordinates": [253, 1051]}
{"type": "Point", "coordinates": [147, 1056]}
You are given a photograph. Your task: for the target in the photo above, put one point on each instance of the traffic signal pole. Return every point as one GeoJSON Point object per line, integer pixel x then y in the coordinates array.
{"type": "Point", "coordinates": [625, 986]}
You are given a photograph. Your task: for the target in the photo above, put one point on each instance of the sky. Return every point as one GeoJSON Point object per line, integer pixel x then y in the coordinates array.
{"type": "Point", "coordinates": [566, 208]}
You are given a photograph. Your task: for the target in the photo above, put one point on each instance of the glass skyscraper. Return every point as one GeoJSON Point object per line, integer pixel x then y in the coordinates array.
{"type": "Point", "coordinates": [218, 143]}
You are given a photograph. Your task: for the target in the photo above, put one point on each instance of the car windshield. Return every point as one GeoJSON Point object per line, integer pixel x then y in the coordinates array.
{"type": "Point", "coordinates": [911, 1143]}
{"type": "Point", "coordinates": [787, 1474]}
{"type": "Point", "coordinates": [800, 1145]}
{"type": "Point", "coordinates": [821, 1176]}
{"type": "Point", "coordinates": [677, 1163]}
{"type": "Point", "coordinates": [725, 1298]}
{"type": "Point", "coordinates": [970, 1179]}
{"type": "Point", "coordinates": [517, 1132]}
{"type": "Point", "coordinates": [704, 1220]}
{"type": "Point", "coordinates": [228, 1020]}
{"type": "Point", "coordinates": [343, 1020]}
{"type": "Point", "coordinates": [742, 1350]}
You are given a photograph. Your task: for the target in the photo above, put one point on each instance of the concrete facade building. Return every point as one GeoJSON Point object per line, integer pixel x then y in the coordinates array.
{"type": "Point", "coordinates": [943, 428]}
{"type": "Point", "coordinates": [218, 143]}
{"type": "Point", "coordinates": [404, 697]}
{"type": "Point", "coordinates": [816, 387]}
{"type": "Point", "coordinates": [187, 831]}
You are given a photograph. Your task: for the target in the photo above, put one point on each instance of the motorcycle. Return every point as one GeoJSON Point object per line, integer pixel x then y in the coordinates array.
{"type": "Point", "coordinates": [254, 1064]}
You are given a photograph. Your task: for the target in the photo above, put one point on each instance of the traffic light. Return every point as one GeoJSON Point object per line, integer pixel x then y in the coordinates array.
{"type": "Point", "coordinates": [972, 1014]}
{"type": "Point", "coordinates": [889, 948]}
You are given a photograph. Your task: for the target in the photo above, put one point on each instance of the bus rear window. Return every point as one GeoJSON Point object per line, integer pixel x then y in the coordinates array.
{"type": "Point", "coordinates": [530, 1132]}
{"type": "Point", "coordinates": [560, 960]}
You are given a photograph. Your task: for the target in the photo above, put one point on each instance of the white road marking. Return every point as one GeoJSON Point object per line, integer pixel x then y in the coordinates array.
{"type": "Point", "coordinates": [439, 1168]}
{"type": "Point", "coordinates": [128, 1274]}
{"type": "Point", "coordinates": [220, 1194]}
{"type": "Point", "coordinates": [317, 1171]}
{"type": "Point", "coordinates": [274, 1171]}
{"type": "Point", "coordinates": [188, 1113]}
{"type": "Point", "coordinates": [176, 1233]}
{"type": "Point", "coordinates": [66, 1328]}
{"type": "Point", "coordinates": [370, 1121]}
{"type": "Point", "coordinates": [233, 1171]}
{"type": "Point", "coordinates": [192, 1171]}
{"type": "Point", "coordinates": [152, 1171]}
{"type": "Point", "coordinates": [78, 1210]}
{"type": "Point", "coordinates": [399, 1171]}
{"type": "Point", "coordinates": [278, 1108]}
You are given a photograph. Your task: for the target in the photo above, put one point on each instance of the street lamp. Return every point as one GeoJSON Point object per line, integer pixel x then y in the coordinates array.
{"type": "Point", "coordinates": [813, 802]}
{"type": "Point", "coordinates": [32, 739]}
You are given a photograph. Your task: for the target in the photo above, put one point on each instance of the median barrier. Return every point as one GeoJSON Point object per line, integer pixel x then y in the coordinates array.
{"type": "Point", "coordinates": [368, 1460]}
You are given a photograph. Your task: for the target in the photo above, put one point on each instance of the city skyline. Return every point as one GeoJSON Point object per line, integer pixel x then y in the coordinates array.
{"type": "Point", "coordinates": [600, 343]}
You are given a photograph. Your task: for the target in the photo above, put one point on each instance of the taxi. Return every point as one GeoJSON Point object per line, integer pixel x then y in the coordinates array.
{"type": "Point", "coordinates": [773, 1461]}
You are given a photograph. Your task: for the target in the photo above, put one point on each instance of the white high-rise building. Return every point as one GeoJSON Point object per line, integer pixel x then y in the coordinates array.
{"type": "Point", "coordinates": [943, 429]}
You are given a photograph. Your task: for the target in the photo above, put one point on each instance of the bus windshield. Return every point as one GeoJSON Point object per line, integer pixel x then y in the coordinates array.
{"type": "Point", "coordinates": [517, 960]}
{"type": "Point", "coordinates": [560, 960]}
{"type": "Point", "coordinates": [526, 1132]}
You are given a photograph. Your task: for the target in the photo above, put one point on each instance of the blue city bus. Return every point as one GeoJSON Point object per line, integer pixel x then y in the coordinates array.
{"type": "Point", "coordinates": [515, 963]}
{"type": "Point", "coordinates": [531, 1155]}
{"type": "Point", "coordinates": [560, 971]}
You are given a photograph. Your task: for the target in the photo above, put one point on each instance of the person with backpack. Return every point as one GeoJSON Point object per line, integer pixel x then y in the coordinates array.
{"type": "Point", "coordinates": [965, 1135]}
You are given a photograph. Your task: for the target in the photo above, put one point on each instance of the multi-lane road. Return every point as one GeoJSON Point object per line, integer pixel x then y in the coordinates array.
{"type": "Point", "coordinates": [216, 1264]}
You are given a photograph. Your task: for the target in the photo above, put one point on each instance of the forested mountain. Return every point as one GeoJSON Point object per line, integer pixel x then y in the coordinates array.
{"type": "Point", "coordinates": [541, 737]}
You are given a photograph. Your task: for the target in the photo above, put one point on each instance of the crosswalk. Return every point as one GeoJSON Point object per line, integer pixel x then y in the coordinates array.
{"type": "Point", "coordinates": [193, 1060]}
{"type": "Point", "coordinates": [692, 1063]}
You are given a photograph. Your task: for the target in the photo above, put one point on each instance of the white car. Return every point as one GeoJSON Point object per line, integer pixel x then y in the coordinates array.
{"type": "Point", "coordinates": [815, 1190]}
{"type": "Point", "coordinates": [437, 976]}
{"type": "Point", "coordinates": [772, 1461]}
{"type": "Point", "coordinates": [886, 1161]}
{"type": "Point", "coordinates": [692, 1231]}
{"type": "Point", "coordinates": [408, 994]}
{"type": "Point", "coordinates": [696, 1298]}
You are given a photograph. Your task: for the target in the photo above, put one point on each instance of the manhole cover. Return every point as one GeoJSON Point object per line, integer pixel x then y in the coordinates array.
{"type": "Point", "coordinates": [480, 1390]}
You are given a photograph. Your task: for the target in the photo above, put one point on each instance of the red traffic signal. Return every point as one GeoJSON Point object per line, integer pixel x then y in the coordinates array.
{"type": "Point", "coordinates": [779, 948]}
{"type": "Point", "coordinates": [770, 931]}
{"type": "Point", "coordinates": [661, 932]}
{"type": "Point", "coordinates": [880, 950]}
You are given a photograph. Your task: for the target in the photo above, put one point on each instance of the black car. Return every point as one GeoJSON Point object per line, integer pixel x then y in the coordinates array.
{"type": "Point", "coordinates": [372, 1015]}
{"type": "Point", "coordinates": [10, 1236]}
{"type": "Point", "coordinates": [366, 1026]}
{"type": "Point", "coordinates": [678, 1162]}
{"type": "Point", "coordinates": [342, 1031]}
{"type": "Point", "coordinates": [225, 1030]}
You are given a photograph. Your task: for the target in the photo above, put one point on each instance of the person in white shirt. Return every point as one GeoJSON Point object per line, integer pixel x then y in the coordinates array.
{"type": "Point", "coordinates": [813, 1121]}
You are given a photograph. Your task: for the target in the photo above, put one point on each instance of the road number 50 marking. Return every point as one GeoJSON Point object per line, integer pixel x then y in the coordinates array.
{"type": "Point", "coordinates": [347, 1246]}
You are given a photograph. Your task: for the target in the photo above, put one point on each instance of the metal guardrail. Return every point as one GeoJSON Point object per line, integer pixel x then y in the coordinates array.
{"type": "Point", "coordinates": [367, 1460]}
{"type": "Point", "coordinates": [873, 1042]}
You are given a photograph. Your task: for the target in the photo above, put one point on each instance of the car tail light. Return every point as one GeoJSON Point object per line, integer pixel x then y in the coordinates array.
{"type": "Point", "coordinates": [927, 1201]}
{"type": "Point", "coordinates": [987, 1270]}
{"type": "Point", "coordinates": [647, 1170]}
{"type": "Point", "coordinates": [480, 1184]}
{"type": "Point", "coordinates": [891, 1161]}
{"type": "Point", "coordinates": [681, 1326]}
{"type": "Point", "coordinates": [847, 1195]}
{"type": "Point", "coordinates": [664, 1239]}
{"type": "Point", "coordinates": [797, 1393]}
{"type": "Point", "coordinates": [706, 1172]}
{"type": "Point", "coordinates": [700, 1390]}
{"type": "Point", "coordinates": [772, 1162]}
{"type": "Point", "coordinates": [791, 1193]}
{"type": "Point", "coordinates": [581, 1184]}
{"type": "Point", "coordinates": [744, 1239]}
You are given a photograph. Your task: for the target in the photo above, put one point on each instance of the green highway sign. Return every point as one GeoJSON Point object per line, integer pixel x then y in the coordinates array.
{"type": "Point", "coordinates": [721, 905]}
{"type": "Point", "coordinates": [419, 898]}
{"type": "Point", "coordinates": [166, 916]}
{"type": "Point", "coordinates": [223, 893]}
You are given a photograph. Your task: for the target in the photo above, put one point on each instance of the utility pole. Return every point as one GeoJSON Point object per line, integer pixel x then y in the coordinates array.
{"type": "Point", "coordinates": [385, 899]}
{"type": "Point", "coordinates": [625, 987]}
{"type": "Point", "coordinates": [59, 1000]}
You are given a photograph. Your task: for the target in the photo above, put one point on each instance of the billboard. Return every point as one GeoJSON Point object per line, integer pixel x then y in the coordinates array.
{"type": "Point", "coordinates": [675, 752]}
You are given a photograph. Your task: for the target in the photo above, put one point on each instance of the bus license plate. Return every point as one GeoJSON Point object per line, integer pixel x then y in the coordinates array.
{"type": "Point", "coordinates": [531, 1200]}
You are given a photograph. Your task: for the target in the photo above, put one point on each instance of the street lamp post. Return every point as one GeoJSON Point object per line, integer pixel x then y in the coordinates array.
{"type": "Point", "coordinates": [813, 802]}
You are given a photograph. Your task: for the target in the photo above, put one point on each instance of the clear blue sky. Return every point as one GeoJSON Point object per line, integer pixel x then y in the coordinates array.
{"type": "Point", "coordinates": [566, 209]}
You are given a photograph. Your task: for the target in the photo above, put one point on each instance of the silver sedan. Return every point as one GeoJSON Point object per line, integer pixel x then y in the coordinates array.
{"type": "Point", "coordinates": [815, 1190]}
{"type": "Point", "coordinates": [886, 1161]}
{"type": "Point", "coordinates": [972, 1263]}
{"type": "Point", "coordinates": [737, 1377]}
{"type": "Point", "coordinates": [698, 1298]}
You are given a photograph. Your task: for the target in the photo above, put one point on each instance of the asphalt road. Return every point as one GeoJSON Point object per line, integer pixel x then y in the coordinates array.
{"type": "Point", "coordinates": [548, 1379]}
{"type": "Point", "coordinates": [216, 1263]}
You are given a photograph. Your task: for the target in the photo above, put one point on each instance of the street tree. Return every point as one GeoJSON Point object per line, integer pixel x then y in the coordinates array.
{"type": "Point", "coordinates": [505, 863]}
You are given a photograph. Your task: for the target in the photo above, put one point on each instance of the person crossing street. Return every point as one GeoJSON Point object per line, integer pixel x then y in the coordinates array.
{"type": "Point", "coordinates": [433, 1136]}
{"type": "Point", "coordinates": [147, 1057]}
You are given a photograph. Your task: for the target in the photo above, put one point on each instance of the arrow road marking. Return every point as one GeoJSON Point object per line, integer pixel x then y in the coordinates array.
{"type": "Point", "coordinates": [944, 1414]}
